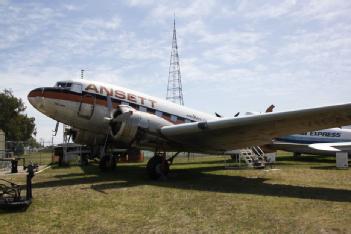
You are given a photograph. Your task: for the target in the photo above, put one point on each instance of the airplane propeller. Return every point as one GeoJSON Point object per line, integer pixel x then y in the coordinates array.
{"type": "Point", "coordinates": [115, 118]}
{"type": "Point", "coordinates": [54, 132]}
{"type": "Point", "coordinates": [108, 118]}
{"type": "Point", "coordinates": [109, 109]}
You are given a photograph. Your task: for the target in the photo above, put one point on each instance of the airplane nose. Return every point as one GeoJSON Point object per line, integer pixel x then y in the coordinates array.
{"type": "Point", "coordinates": [36, 98]}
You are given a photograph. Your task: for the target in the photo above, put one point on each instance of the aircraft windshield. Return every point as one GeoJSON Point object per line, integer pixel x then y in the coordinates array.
{"type": "Point", "coordinates": [75, 87]}
{"type": "Point", "coordinates": [64, 85]}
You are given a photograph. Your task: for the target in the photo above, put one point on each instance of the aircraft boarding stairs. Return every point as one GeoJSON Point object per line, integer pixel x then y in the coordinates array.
{"type": "Point", "coordinates": [253, 157]}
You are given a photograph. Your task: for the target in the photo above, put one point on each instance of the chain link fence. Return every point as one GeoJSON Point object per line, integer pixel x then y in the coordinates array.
{"type": "Point", "coordinates": [25, 154]}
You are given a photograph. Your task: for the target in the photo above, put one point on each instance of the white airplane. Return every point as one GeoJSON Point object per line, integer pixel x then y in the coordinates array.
{"type": "Point", "coordinates": [314, 142]}
{"type": "Point", "coordinates": [108, 116]}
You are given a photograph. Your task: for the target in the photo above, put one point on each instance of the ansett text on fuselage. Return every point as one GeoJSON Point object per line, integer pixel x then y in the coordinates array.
{"type": "Point", "coordinates": [120, 94]}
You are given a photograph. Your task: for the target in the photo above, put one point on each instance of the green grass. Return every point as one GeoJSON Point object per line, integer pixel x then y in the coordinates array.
{"type": "Point", "coordinates": [304, 196]}
{"type": "Point", "coordinates": [41, 157]}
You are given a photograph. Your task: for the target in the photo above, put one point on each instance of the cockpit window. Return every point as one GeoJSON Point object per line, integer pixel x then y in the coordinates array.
{"type": "Point", "coordinates": [64, 85]}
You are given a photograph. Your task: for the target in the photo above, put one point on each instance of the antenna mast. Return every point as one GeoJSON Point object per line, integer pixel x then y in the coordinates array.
{"type": "Point", "coordinates": [174, 86]}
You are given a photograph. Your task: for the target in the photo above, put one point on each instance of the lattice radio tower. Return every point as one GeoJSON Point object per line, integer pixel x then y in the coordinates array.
{"type": "Point", "coordinates": [174, 86]}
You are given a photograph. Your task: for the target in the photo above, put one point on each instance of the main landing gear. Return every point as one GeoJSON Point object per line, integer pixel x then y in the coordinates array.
{"type": "Point", "coordinates": [108, 160]}
{"type": "Point", "coordinates": [158, 166]}
{"type": "Point", "coordinates": [108, 163]}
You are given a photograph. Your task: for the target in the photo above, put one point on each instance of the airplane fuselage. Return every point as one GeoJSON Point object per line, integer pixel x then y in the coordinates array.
{"type": "Point", "coordinates": [299, 143]}
{"type": "Point", "coordinates": [83, 104]}
{"type": "Point", "coordinates": [331, 135]}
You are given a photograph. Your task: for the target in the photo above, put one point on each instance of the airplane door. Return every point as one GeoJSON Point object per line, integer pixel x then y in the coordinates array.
{"type": "Point", "coordinates": [86, 106]}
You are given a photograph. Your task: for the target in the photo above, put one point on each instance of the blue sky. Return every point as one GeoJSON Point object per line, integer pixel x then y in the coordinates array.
{"type": "Point", "coordinates": [234, 55]}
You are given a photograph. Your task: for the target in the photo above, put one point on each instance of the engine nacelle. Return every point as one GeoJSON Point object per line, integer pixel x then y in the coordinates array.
{"type": "Point", "coordinates": [87, 138]}
{"type": "Point", "coordinates": [128, 122]}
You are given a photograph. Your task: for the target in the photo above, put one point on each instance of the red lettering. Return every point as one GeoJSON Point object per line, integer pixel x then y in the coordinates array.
{"type": "Point", "coordinates": [120, 94]}
{"type": "Point", "coordinates": [152, 103]}
{"type": "Point", "coordinates": [91, 87]}
{"type": "Point", "coordinates": [141, 100]}
{"type": "Point", "coordinates": [108, 92]}
{"type": "Point", "coordinates": [131, 97]}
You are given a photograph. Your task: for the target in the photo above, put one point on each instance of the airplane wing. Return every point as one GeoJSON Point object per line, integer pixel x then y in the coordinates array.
{"type": "Point", "coordinates": [333, 147]}
{"type": "Point", "coordinates": [234, 133]}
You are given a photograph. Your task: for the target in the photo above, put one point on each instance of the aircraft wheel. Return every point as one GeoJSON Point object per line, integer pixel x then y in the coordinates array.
{"type": "Point", "coordinates": [113, 162]}
{"type": "Point", "coordinates": [108, 163]}
{"type": "Point", "coordinates": [157, 167]}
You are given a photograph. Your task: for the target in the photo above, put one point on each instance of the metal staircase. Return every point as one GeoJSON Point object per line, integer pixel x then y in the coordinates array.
{"type": "Point", "coordinates": [257, 157]}
{"type": "Point", "coordinates": [252, 156]}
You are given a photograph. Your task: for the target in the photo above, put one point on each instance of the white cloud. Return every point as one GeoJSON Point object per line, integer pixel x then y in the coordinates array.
{"type": "Point", "coordinates": [17, 24]}
{"type": "Point", "coordinates": [323, 10]}
{"type": "Point", "coordinates": [259, 9]}
{"type": "Point", "coordinates": [189, 10]}
{"type": "Point", "coordinates": [129, 46]}
{"type": "Point", "coordinates": [70, 7]}
{"type": "Point", "coordinates": [232, 55]}
{"type": "Point", "coordinates": [98, 23]}
{"type": "Point", "coordinates": [141, 3]}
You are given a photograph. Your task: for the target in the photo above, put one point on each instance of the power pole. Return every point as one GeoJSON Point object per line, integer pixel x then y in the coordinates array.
{"type": "Point", "coordinates": [174, 86]}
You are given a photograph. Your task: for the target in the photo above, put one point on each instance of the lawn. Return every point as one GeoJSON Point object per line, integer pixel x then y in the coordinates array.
{"type": "Point", "coordinates": [40, 157]}
{"type": "Point", "coordinates": [304, 196]}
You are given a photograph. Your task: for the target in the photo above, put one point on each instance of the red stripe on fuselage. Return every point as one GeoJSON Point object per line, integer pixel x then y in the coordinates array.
{"type": "Point", "coordinates": [78, 98]}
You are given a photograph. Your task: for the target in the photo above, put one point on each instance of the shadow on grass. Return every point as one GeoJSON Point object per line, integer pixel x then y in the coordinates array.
{"type": "Point", "coordinates": [220, 161]}
{"type": "Point", "coordinates": [328, 168]}
{"type": "Point", "coordinates": [309, 158]}
{"type": "Point", "coordinates": [13, 210]}
{"type": "Point", "coordinates": [193, 179]}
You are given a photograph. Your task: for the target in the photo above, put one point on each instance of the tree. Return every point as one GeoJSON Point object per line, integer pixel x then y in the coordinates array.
{"type": "Point", "coordinates": [16, 125]}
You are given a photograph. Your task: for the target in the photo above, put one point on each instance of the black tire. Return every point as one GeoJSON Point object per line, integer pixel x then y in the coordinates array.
{"type": "Point", "coordinates": [157, 167]}
{"type": "Point", "coordinates": [113, 163]}
{"type": "Point", "coordinates": [103, 164]}
{"type": "Point", "coordinates": [84, 160]}
{"type": "Point", "coordinates": [108, 163]}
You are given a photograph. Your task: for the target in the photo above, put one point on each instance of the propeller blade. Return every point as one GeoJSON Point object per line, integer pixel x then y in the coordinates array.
{"type": "Point", "coordinates": [56, 128]}
{"type": "Point", "coordinates": [109, 105]}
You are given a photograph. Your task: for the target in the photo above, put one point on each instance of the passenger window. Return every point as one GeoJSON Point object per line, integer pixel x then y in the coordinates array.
{"type": "Point", "coordinates": [159, 113]}
{"type": "Point", "coordinates": [143, 109]}
{"type": "Point", "coordinates": [173, 118]}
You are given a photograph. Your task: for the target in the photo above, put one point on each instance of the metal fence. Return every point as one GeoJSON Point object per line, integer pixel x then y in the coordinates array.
{"type": "Point", "coordinates": [41, 155]}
